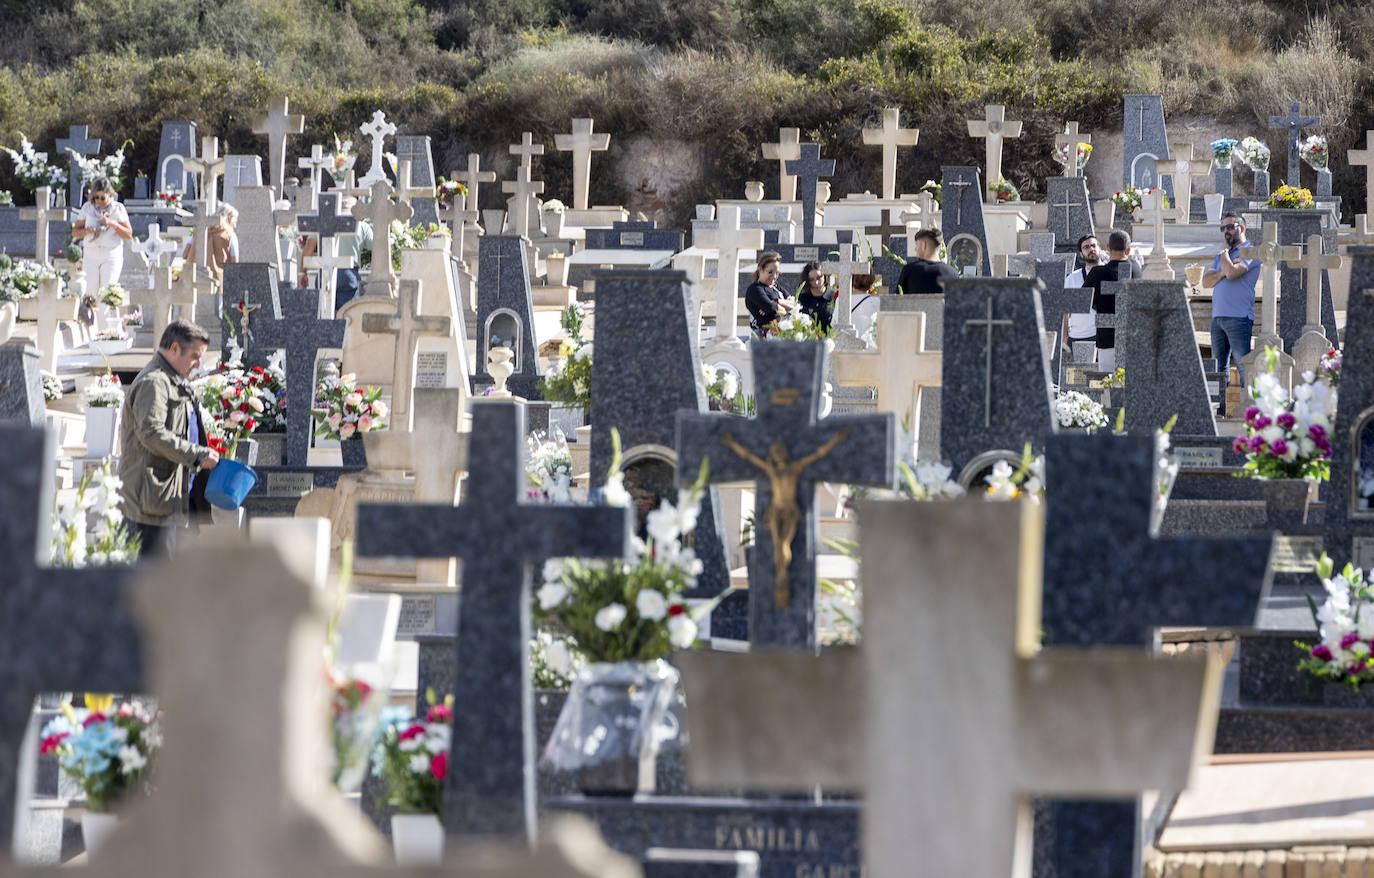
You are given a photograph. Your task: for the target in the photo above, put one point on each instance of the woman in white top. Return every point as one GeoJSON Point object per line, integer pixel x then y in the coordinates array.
{"type": "Point", "coordinates": [102, 227]}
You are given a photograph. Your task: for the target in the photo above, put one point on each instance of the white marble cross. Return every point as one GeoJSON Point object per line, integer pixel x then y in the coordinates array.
{"type": "Point", "coordinates": [165, 294]}
{"type": "Point", "coordinates": [1364, 157]}
{"type": "Point", "coordinates": [203, 218]}
{"type": "Point", "coordinates": [1313, 344]}
{"type": "Point", "coordinates": [947, 771]}
{"type": "Point", "coordinates": [1071, 138]}
{"type": "Point", "coordinates": [315, 163]}
{"type": "Point", "coordinates": [843, 266]}
{"type": "Point", "coordinates": [49, 308]}
{"type": "Point", "coordinates": [522, 190]}
{"type": "Point", "coordinates": [890, 136]}
{"type": "Point", "coordinates": [731, 243]}
{"type": "Point", "coordinates": [1270, 253]}
{"type": "Point", "coordinates": [788, 148]}
{"type": "Point", "coordinates": [208, 167]}
{"type": "Point", "coordinates": [408, 325]}
{"type": "Point", "coordinates": [154, 247]}
{"type": "Point", "coordinates": [527, 149]}
{"type": "Point", "coordinates": [1183, 168]}
{"type": "Point", "coordinates": [993, 128]}
{"type": "Point", "coordinates": [276, 123]}
{"type": "Point", "coordinates": [1157, 265]}
{"type": "Point", "coordinates": [378, 130]}
{"type": "Point", "coordinates": [581, 143]}
{"type": "Point", "coordinates": [472, 177]}
{"type": "Point", "coordinates": [899, 368]}
{"type": "Point", "coordinates": [380, 211]}
{"type": "Point", "coordinates": [43, 216]}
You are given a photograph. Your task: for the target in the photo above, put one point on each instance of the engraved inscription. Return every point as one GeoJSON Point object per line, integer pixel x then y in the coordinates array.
{"type": "Point", "coordinates": [1296, 554]}
{"type": "Point", "coordinates": [289, 484]}
{"type": "Point", "coordinates": [1362, 551]}
{"type": "Point", "coordinates": [806, 254]}
{"type": "Point", "coordinates": [417, 615]}
{"type": "Point", "coordinates": [782, 839]}
{"type": "Point", "coordinates": [1198, 458]}
{"type": "Point", "coordinates": [632, 239]}
{"type": "Point", "coordinates": [431, 369]}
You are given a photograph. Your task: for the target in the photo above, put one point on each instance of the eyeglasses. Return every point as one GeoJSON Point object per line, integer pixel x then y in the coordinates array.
{"type": "Point", "coordinates": [1229, 226]}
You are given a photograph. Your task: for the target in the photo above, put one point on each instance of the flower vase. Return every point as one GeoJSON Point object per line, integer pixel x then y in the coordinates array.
{"type": "Point", "coordinates": [753, 190]}
{"type": "Point", "coordinates": [1223, 161]}
{"type": "Point", "coordinates": [500, 368]}
{"type": "Point", "coordinates": [1285, 503]}
{"type": "Point", "coordinates": [96, 829]}
{"type": "Point", "coordinates": [553, 223]}
{"type": "Point", "coordinates": [611, 728]}
{"type": "Point", "coordinates": [418, 839]}
{"type": "Point", "coordinates": [1104, 214]}
{"type": "Point", "coordinates": [9, 312]}
{"type": "Point", "coordinates": [437, 242]}
{"type": "Point", "coordinates": [102, 424]}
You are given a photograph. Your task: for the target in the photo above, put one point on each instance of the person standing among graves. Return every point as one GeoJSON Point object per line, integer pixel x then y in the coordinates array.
{"type": "Point", "coordinates": [1083, 326]}
{"type": "Point", "coordinates": [102, 226]}
{"type": "Point", "coordinates": [763, 300]}
{"type": "Point", "coordinates": [347, 281]}
{"type": "Point", "coordinates": [925, 273]}
{"type": "Point", "coordinates": [812, 296]}
{"type": "Point", "coordinates": [221, 243]}
{"type": "Point", "coordinates": [1232, 282]}
{"type": "Point", "coordinates": [162, 440]}
{"type": "Point", "coordinates": [1118, 267]}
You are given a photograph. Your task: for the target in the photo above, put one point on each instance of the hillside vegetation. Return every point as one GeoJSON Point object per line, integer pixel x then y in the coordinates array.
{"type": "Point", "coordinates": [718, 75]}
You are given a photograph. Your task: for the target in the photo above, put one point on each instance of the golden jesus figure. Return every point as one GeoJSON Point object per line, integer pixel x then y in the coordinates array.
{"type": "Point", "coordinates": [784, 513]}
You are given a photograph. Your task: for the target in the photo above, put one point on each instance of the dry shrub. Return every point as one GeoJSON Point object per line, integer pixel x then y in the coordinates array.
{"type": "Point", "coordinates": [1316, 71]}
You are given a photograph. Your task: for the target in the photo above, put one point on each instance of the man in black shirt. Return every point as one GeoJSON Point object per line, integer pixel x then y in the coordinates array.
{"type": "Point", "coordinates": [925, 273]}
{"type": "Point", "coordinates": [1117, 268]}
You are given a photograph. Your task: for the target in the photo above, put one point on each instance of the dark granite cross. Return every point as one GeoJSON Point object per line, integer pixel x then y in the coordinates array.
{"type": "Point", "coordinates": [61, 629]}
{"type": "Point", "coordinates": [1068, 204]}
{"type": "Point", "coordinates": [80, 142]}
{"type": "Point", "coordinates": [329, 222]}
{"type": "Point", "coordinates": [303, 335]}
{"type": "Point", "coordinates": [960, 185]}
{"type": "Point", "coordinates": [808, 170]}
{"type": "Point", "coordinates": [1294, 122]}
{"type": "Point", "coordinates": [1109, 582]}
{"type": "Point", "coordinates": [988, 324]}
{"type": "Point", "coordinates": [490, 787]}
{"type": "Point", "coordinates": [885, 228]}
{"type": "Point", "coordinates": [786, 449]}
{"type": "Point", "coordinates": [1156, 312]}
{"type": "Point", "coordinates": [1057, 301]}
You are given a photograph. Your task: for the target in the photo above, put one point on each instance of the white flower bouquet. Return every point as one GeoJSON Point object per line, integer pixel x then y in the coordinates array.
{"type": "Point", "coordinates": [1074, 408]}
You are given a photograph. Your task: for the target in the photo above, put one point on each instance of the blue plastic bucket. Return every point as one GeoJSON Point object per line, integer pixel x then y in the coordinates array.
{"type": "Point", "coordinates": [230, 481]}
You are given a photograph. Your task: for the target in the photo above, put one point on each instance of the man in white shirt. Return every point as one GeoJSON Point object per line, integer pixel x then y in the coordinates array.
{"type": "Point", "coordinates": [1083, 327]}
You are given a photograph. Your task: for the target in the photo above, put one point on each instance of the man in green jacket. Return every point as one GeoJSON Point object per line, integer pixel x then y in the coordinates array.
{"type": "Point", "coordinates": [160, 437]}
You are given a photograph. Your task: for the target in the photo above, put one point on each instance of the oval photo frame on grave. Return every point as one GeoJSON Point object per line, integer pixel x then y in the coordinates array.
{"type": "Point", "coordinates": [976, 471]}
{"type": "Point", "coordinates": [650, 473]}
{"type": "Point", "coordinates": [961, 257]}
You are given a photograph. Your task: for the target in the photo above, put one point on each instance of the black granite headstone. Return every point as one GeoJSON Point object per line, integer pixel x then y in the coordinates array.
{"type": "Point", "coordinates": [1144, 139]}
{"type": "Point", "coordinates": [303, 335]}
{"type": "Point", "coordinates": [21, 385]}
{"type": "Point", "coordinates": [505, 311]}
{"type": "Point", "coordinates": [962, 213]}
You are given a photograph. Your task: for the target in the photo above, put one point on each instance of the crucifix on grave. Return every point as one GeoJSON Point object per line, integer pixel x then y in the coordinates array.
{"type": "Point", "coordinates": [808, 168]}
{"type": "Point", "coordinates": [958, 185]}
{"type": "Point", "coordinates": [1182, 168]}
{"type": "Point", "coordinates": [49, 307]}
{"type": "Point", "coordinates": [61, 629]}
{"type": "Point", "coordinates": [1069, 141]}
{"type": "Point", "coordinates": [302, 334]}
{"type": "Point", "coordinates": [1069, 203]}
{"type": "Point", "coordinates": [408, 325]}
{"type": "Point", "coordinates": [327, 225]}
{"type": "Point", "coordinates": [78, 142]}
{"type": "Point", "coordinates": [948, 771]}
{"type": "Point", "coordinates": [993, 128]}
{"type": "Point", "coordinates": [209, 167]}
{"type": "Point", "coordinates": [1270, 254]}
{"type": "Point", "coordinates": [890, 136]}
{"type": "Point", "coordinates": [203, 218]}
{"type": "Point", "coordinates": [1313, 344]}
{"type": "Point", "coordinates": [731, 242]}
{"type": "Point", "coordinates": [377, 130]}
{"type": "Point", "coordinates": [988, 324]}
{"type": "Point", "coordinates": [1294, 122]}
{"type": "Point", "coordinates": [315, 164]}
{"type": "Point", "coordinates": [788, 148]}
{"type": "Point", "coordinates": [500, 540]}
{"type": "Point", "coordinates": [276, 123]}
{"type": "Point", "coordinates": [582, 143]}
{"type": "Point", "coordinates": [1157, 266]}
{"type": "Point", "coordinates": [899, 368]}
{"type": "Point", "coordinates": [43, 216]}
{"type": "Point", "coordinates": [786, 449]}
{"type": "Point", "coordinates": [155, 247]}
{"type": "Point", "coordinates": [844, 266]}
{"type": "Point", "coordinates": [1155, 312]}
{"type": "Point", "coordinates": [379, 212]}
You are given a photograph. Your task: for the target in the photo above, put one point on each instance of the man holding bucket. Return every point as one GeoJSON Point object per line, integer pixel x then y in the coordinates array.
{"type": "Point", "coordinates": [162, 440]}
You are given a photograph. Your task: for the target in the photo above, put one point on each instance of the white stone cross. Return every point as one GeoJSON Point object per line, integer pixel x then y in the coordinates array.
{"type": "Point", "coordinates": [1364, 157]}
{"type": "Point", "coordinates": [473, 176]}
{"type": "Point", "coordinates": [154, 247]}
{"type": "Point", "coordinates": [203, 218]}
{"type": "Point", "coordinates": [315, 163]}
{"type": "Point", "coordinates": [1183, 168]}
{"type": "Point", "coordinates": [1270, 253]}
{"type": "Point", "coordinates": [522, 190]}
{"type": "Point", "coordinates": [731, 243]}
{"type": "Point", "coordinates": [993, 127]}
{"type": "Point", "coordinates": [404, 191]}
{"type": "Point", "coordinates": [1313, 344]}
{"type": "Point", "coordinates": [1071, 138]}
{"type": "Point", "coordinates": [164, 295]}
{"type": "Point", "coordinates": [843, 266]}
{"type": "Point", "coordinates": [435, 450]}
{"type": "Point", "coordinates": [947, 771]}
{"type": "Point", "coordinates": [50, 308]}
{"type": "Point", "coordinates": [1359, 233]}
{"type": "Point", "coordinates": [276, 123]}
{"type": "Point", "coordinates": [458, 218]}
{"type": "Point", "coordinates": [581, 143]}
{"type": "Point", "coordinates": [408, 325]}
{"type": "Point", "coordinates": [208, 167]}
{"type": "Point", "coordinates": [899, 368]}
{"type": "Point", "coordinates": [1157, 265]}
{"type": "Point", "coordinates": [379, 129]}
{"type": "Point", "coordinates": [890, 136]}
{"type": "Point", "coordinates": [527, 149]}
{"type": "Point", "coordinates": [43, 216]}
{"type": "Point", "coordinates": [788, 148]}
{"type": "Point", "coordinates": [380, 211]}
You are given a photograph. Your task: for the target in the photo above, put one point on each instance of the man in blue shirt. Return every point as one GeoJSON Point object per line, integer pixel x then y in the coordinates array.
{"type": "Point", "coordinates": [1232, 282]}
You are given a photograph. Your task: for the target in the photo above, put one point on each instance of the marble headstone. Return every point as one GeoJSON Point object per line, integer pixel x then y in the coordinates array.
{"type": "Point", "coordinates": [961, 216]}
{"type": "Point", "coordinates": [505, 311]}
{"type": "Point", "coordinates": [1144, 139]}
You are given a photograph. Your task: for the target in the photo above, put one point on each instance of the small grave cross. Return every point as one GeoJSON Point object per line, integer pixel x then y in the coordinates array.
{"type": "Point", "coordinates": [276, 123]}
{"type": "Point", "coordinates": [43, 216]}
{"type": "Point", "coordinates": [844, 267]}
{"type": "Point", "coordinates": [523, 189]}
{"type": "Point", "coordinates": [1314, 262]}
{"type": "Point", "coordinates": [993, 128]}
{"type": "Point", "coordinates": [328, 224]}
{"type": "Point", "coordinates": [49, 308]}
{"type": "Point", "coordinates": [989, 324]}
{"type": "Point", "coordinates": [80, 142]}
{"type": "Point", "coordinates": [1364, 157]}
{"type": "Point", "coordinates": [899, 368]}
{"type": "Point", "coordinates": [379, 129]}
{"type": "Point", "coordinates": [731, 241]}
{"type": "Point", "coordinates": [786, 449]}
{"type": "Point", "coordinates": [885, 230]}
{"type": "Point", "coordinates": [303, 335]}
{"type": "Point", "coordinates": [381, 210]}
{"type": "Point", "coordinates": [527, 149]}
{"type": "Point", "coordinates": [1070, 139]}
{"type": "Point", "coordinates": [1270, 253]}
{"type": "Point", "coordinates": [490, 785]}
{"type": "Point", "coordinates": [890, 136]}
{"type": "Point", "coordinates": [473, 176]}
{"type": "Point", "coordinates": [788, 148]}
{"type": "Point", "coordinates": [582, 143]}
{"type": "Point", "coordinates": [154, 247]}
{"type": "Point", "coordinates": [1294, 122]}
{"type": "Point", "coordinates": [408, 325]}
{"type": "Point", "coordinates": [808, 168]}
{"type": "Point", "coordinates": [315, 163]}
{"type": "Point", "coordinates": [1183, 169]}
{"type": "Point", "coordinates": [1157, 263]}
{"type": "Point", "coordinates": [203, 218]}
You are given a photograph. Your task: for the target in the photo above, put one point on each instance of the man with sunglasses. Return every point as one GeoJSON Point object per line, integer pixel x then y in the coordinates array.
{"type": "Point", "coordinates": [1232, 281]}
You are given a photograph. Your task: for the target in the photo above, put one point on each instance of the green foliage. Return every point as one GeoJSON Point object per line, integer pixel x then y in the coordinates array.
{"type": "Point", "coordinates": [569, 379]}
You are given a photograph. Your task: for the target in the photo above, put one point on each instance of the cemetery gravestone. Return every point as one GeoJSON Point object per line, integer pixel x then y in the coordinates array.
{"type": "Point", "coordinates": [1295, 121]}
{"type": "Point", "coordinates": [378, 129]}
{"type": "Point", "coordinates": [1144, 141]}
{"type": "Point", "coordinates": [302, 334]}
{"type": "Point", "coordinates": [1313, 344]}
{"type": "Point", "coordinates": [80, 142]}
{"type": "Point", "coordinates": [251, 295]}
{"type": "Point", "coordinates": [421, 180]}
{"type": "Point", "coordinates": [49, 308]}
{"type": "Point", "coordinates": [1069, 210]}
{"type": "Point", "coordinates": [1295, 227]}
{"type": "Point", "coordinates": [962, 219]}
{"type": "Point", "coordinates": [21, 386]}
{"type": "Point", "coordinates": [1070, 140]}
{"type": "Point", "coordinates": [505, 312]}
{"type": "Point", "coordinates": [788, 148]}
{"type": "Point", "coordinates": [1165, 377]}
{"type": "Point", "coordinates": [582, 143]}
{"type": "Point", "coordinates": [844, 266]}
{"type": "Point", "coordinates": [380, 211]}
{"type": "Point", "coordinates": [1349, 501]}
{"type": "Point", "coordinates": [523, 189]}
{"type": "Point", "coordinates": [408, 326]}
{"type": "Point", "coordinates": [890, 135]}
{"type": "Point", "coordinates": [1270, 254]}
{"type": "Point", "coordinates": [732, 243]}
{"type": "Point", "coordinates": [178, 143]}
{"type": "Point", "coordinates": [257, 229]}
{"type": "Point", "coordinates": [44, 219]}
{"type": "Point", "coordinates": [242, 172]}
{"type": "Point", "coordinates": [208, 168]}
{"type": "Point", "coordinates": [808, 168]}
{"type": "Point", "coordinates": [993, 128]}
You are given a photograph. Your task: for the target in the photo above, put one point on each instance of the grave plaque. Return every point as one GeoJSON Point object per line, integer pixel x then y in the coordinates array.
{"type": "Point", "coordinates": [289, 484]}
{"type": "Point", "coordinates": [431, 369]}
{"type": "Point", "coordinates": [1294, 554]}
{"type": "Point", "coordinates": [417, 614]}
{"type": "Point", "coordinates": [1197, 457]}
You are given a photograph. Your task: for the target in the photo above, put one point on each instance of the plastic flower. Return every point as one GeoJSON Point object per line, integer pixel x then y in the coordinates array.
{"type": "Point", "coordinates": [609, 617]}
{"type": "Point", "coordinates": [551, 594]}
{"type": "Point", "coordinates": [682, 631]}
{"type": "Point", "coordinates": [651, 604]}
{"type": "Point", "coordinates": [438, 766]}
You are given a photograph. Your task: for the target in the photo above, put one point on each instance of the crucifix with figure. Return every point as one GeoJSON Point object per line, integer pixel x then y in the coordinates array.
{"type": "Point", "coordinates": [1295, 121]}
{"type": "Point", "coordinates": [786, 449]}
